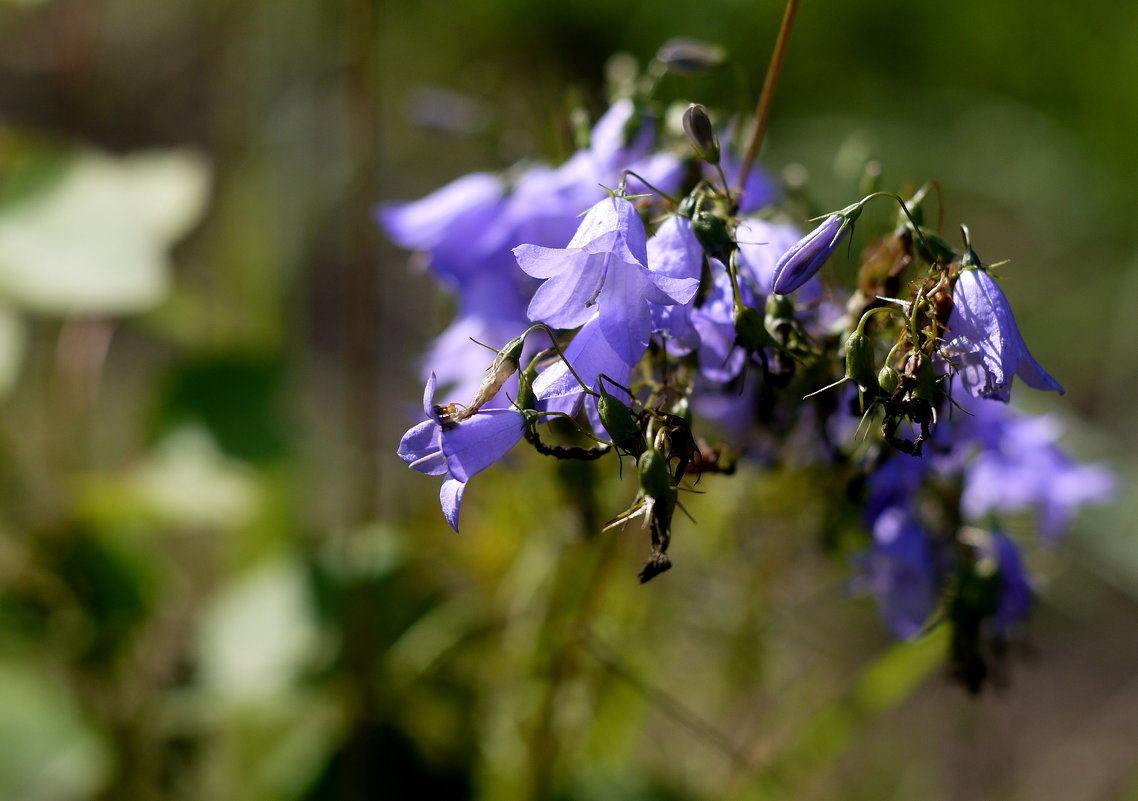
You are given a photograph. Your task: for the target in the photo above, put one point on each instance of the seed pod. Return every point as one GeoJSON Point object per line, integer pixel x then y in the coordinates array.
{"type": "Point", "coordinates": [750, 333]}
{"type": "Point", "coordinates": [888, 379]}
{"type": "Point", "coordinates": [713, 235]}
{"type": "Point", "coordinates": [652, 469]}
{"type": "Point", "coordinates": [620, 423]}
{"type": "Point", "coordinates": [859, 361]}
{"type": "Point", "coordinates": [504, 365]}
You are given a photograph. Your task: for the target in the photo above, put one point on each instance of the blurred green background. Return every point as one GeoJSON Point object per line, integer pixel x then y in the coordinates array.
{"type": "Point", "coordinates": [218, 581]}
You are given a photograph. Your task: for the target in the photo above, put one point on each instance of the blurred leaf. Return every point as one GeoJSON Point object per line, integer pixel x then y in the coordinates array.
{"type": "Point", "coordinates": [236, 396]}
{"type": "Point", "coordinates": [49, 751]}
{"type": "Point", "coordinates": [259, 633]}
{"type": "Point", "coordinates": [96, 241]}
{"type": "Point", "coordinates": [13, 341]}
{"type": "Point", "coordinates": [186, 481]}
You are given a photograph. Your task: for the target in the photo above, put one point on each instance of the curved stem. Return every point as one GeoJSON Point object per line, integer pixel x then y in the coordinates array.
{"type": "Point", "coordinates": [640, 178]}
{"type": "Point", "coordinates": [560, 354]}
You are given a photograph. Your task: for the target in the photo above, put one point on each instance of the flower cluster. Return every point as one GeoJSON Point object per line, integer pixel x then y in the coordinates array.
{"type": "Point", "coordinates": [676, 307]}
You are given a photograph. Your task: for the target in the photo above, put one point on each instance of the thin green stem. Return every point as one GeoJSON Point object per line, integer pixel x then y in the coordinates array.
{"type": "Point", "coordinates": [560, 354]}
{"type": "Point", "coordinates": [766, 97]}
{"type": "Point", "coordinates": [658, 191]}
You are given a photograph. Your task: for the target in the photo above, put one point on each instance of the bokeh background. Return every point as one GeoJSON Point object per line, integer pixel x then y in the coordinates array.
{"type": "Point", "coordinates": [216, 579]}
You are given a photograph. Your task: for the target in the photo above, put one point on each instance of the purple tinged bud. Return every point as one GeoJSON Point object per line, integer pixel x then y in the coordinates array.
{"type": "Point", "coordinates": [799, 264]}
{"type": "Point", "coordinates": [701, 133]}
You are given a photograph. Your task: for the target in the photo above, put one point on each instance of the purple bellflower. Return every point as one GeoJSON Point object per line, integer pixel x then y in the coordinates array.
{"type": "Point", "coordinates": [557, 390]}
{"type": "Point", "coordinates": [675, 252]}
{"type": "Point", "coordinates": [799, 264]}
{"type": "Point", "coordinates": [986, 345]}
{"type": "Point", "coordinates": [603, 271]}
{"type": "Point", "coordinates": [457, 451]}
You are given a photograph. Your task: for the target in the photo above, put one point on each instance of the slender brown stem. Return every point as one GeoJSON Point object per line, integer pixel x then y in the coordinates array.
{"type": "Point", "coordinates": [766, 97]}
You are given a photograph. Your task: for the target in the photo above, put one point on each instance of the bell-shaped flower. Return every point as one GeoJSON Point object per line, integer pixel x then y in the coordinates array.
{"type": "Point", "coordinates": [675, 252]}
{"type": "Point", "coordinates": [799, 264]}
{"type": "Point", "coordinates": [458, 451]}
{"type": "Point", "coordinates": [985, 343]}
{"type": "Point", "coordinates": [603, 271]}
{"type": "Point", "coordinates": [558, 390]}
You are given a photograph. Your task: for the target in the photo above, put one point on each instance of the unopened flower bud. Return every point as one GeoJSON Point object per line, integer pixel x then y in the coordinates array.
{"type": "Point", "coordinates": [701, 133]}
{"type": "Point", "coordinates": [799, 264]}
{"type": "Point", "coordinates": [689, 57]}
{"type": "Point", "coordinates": [859, 361]}
{"type": "Point", "coordinates": [888, 379]}
{"type": "Point", "coordinates": [526, 398]}
{"type": "Point", "coordinates": [750, 332]}
{"type": "Point", "coordinates": [619, 422]}
{"type": "Point", "coordinates": [652, 470]}
{"type": "Point", "coordinates": [713, 235]}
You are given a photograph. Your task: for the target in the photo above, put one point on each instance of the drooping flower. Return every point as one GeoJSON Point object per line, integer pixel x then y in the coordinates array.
{"type": "Point", "coordinates": [457, 451]}
{"type": "Point", "coordinates": [603, 271]}
{"type": "Point", "coordinates": [799, 264]}
{"type": "Point", "coordinates": [986, 345]}
{"type": "Point", "coordinates": [558, 390]}
{"type": "Point", "coordinates": [675, 252]}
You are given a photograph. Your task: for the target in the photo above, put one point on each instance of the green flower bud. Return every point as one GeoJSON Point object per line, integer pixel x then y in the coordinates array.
{"type": "Point", "coordinates": [713, 235]}
{"type": "Point", "coordinates": [619, 422]}
{"type": "Point", "coordinates": [750, 332]}
{"type": "Point", "coordinates": [526, 398]}
{"type": "Point", "coordinates": [859, 361]}
{"type": "Point", "coordinates": [888, 379]}
{"type": "Point", "coordinates": [701, 133]}
{"type": "Point", "coordinates": [652, 469]}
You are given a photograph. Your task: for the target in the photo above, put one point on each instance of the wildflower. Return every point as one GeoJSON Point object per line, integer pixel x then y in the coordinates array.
{"type": "Point", "coordinates": [558, 390]}
{"type": "Point", "coordinates": [604, 271]}
{"type": "Point", "coordinates": [986, 345]}
{"type": "Point", "coordinates": [799, 264]}
{"type": "Point", "coordinates": [457, 451]}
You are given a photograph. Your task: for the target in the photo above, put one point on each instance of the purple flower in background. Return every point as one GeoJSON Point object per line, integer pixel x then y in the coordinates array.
{"type": "Point", "coordinates": [1016, 596]}
{"type": "Point", "coordinates": [1019, 466]}
{"type": "Point", "coordinates": [603, 271]}
{"type": "Point", "coordinates": [986, 344]}
{"type": "Point", "coordinates": [453, 225]}
{"type": "Point", "coordinates": [900, 571]}
{"type": "Point", "coordinates": [799, 264]}
{"type": "Point", "coordinates": [458, 451]}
